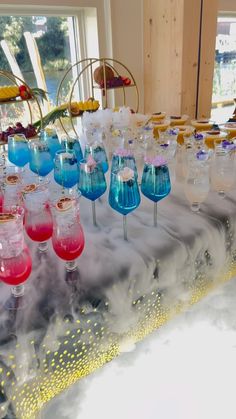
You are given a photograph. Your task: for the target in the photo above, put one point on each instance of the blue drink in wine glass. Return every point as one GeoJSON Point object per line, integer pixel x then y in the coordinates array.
{"type": "Point", "coordinates": [66, 171]}
{"type": "Point", "coordinates": [40, 161]}
{"type": "Point", "coordinates": [18, 150]}
{"type": "Point", "coordinates": [123, 158]}
{"type": "Point", "coordinates": [92, 182]}
{"type": "Point", "coordinates": [124, 195]}
{"type": "Point", "coordinates": [155, 183]}
{"type": "Point", "coordinates": [72, 145]}
{"type": "Point", "coordinates": [98, 152]}
{"type": "Point", "coordinates": [49, 135]}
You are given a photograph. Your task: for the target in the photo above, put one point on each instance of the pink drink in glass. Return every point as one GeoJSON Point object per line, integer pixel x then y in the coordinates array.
{"type": "Point", "coordinates": [39, 225]}
{"type": "Point", "coordinates": [16, 270]}
{"type": "Point", "coordinates": [38, 217]}
{"type": "Point", "coordinates": [68, 236]}
{"type": "Point", "coordinates": [69, 248]}
{"type": "Point", "coordinates": [15, 260]}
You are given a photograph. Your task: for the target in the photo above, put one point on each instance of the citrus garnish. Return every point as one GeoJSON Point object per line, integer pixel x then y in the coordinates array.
{"type": "Point", "coordinates": [19, 138]}
{"type": "Point", "coordinates": [12, 179]}
{"type": "Point", "coordinates": [6, 217]}
{"type": "Point", "coordinates": [29, 188]}
{"type": "Point", "coordinates": [64, 204]}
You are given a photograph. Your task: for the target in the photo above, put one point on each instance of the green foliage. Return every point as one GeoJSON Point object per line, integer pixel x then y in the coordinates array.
{"type": "Point", "coordinates": [52, 44]}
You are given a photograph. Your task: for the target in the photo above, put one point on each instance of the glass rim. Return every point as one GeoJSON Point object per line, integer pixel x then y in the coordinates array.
{"type": "Point", "coordinates": [58, 152]}
{"type": "Point", "coordinates": [75, 196]}
{"type": "Point", "coordinates": [12, 136]}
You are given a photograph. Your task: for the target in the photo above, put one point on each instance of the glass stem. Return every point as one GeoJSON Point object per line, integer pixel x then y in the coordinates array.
{"type": "Point", "coordinates": [125, 227]}
{"type": "Point", "coordinates": [71, 265]}
{"type": "Point", "coordinates": [94, 213]}
{"type": "Point", "coordinates": [155, 214]}
{"type": "Point", "coordinates": [18, 290]}
{"type": "Point", "coordinates": [43, 246]}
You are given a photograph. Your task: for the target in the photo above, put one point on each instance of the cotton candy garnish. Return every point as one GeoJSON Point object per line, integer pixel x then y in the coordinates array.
{"type": "Point", "coordinates": [156, 161]}
{"type": "Point", "coordinates": [126, 174]}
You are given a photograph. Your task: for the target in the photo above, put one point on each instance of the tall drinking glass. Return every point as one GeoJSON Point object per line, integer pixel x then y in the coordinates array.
{"type": "Point", "coordinates": [197, 184]}
{"type": "Point", "coordinates": [222, 170]}
{"type": "Point", "coordinates": [66, 170]}
{"type": "Point", "coordinates": [38, 217]}
{"type": "Point", "coordinates": [15, 260]}
{"type": "Point", "coordinates": [121, 158]}
{"type": "Point", "coordinates": [72, 145]}
{"type": "Point", "coordinates": [98, 152]}
{"type": "Point", "coordinates": [124, 195]}
{"type": "Point", "coordinates": [11, 186]}
{"type": "Point", "coordinates": [49, 135]}
{"type": "Point", "coordinates": [155, 183]}
{"type": "Point", "coordinates": [68, 236]}
{"type": "Point", "coordinates": [18, 150]}
{"type": "Point", "coordinates": [92, 182]}
{"type": "Point", "coordinates": [41, 161]}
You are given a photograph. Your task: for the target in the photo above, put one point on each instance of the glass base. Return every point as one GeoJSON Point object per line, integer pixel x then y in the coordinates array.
{"type": "Point", "coordinates": [71, 266]}
{"type": "Point", "coordinates": [43, 246]}
{"type": "Point", "coordinates": [195, 207]}
{"type": "Point", "coordinates": [221, 194]}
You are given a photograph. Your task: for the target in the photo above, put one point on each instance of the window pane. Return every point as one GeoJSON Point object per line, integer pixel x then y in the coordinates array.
{"type": "Point", "coordinates": [224, 82]}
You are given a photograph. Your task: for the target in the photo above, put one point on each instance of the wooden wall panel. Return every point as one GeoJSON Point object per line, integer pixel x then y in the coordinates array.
{"type": "Point", "coordinates": [207, 57]}
{"type": "Point", "coordinates": [190, 56]}
{"type": "Point", "coordinates": [177, 79]}
{"type": "Point", "coordinates": [163, 34]}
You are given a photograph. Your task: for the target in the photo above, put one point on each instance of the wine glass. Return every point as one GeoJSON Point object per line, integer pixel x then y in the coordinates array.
{"type": "Point", "coordinates": [197, 183]}
{"type": "Point", "coordinates": [15, 259]}
{"type": "Point", "coordinates": [49, 135]}
{"type": "Point", "coordinates": [123, 157]}
{"type": "Point", "coordinates": [155, 183]}
{"type": "Point", "coordinates": [97, 150]}
{"type": "Point", "coordinates": [222, 170]}
{"type": "Point", "coordinates": [66, 171]}
{"type": "Point", "coordinates": [68, 236]}
{"type": "Point", "coordinates": [92, 182]}
{"type": "Point", "coordinates": [72, 145]}
{"type": "Point", "coordinates": [124, 195]}
{"type": "Point", "coordinates": [167, 142]}
{"type": "Point", "coordinates": [38, 217]}
{"type": "Point", "coordinates": [18, 150]}
{"type": "Point", "coordinates": [40, 161]}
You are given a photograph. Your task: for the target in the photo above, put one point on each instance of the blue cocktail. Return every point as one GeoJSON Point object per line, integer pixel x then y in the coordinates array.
{"type": "Point", "coordinates": [49, 135]}
{"type": "Point", "coordinates": [123, 158]}
{"type": "Point", "coordinates": [92, 182]}
{"type": "Point", "coordinates": [66, 171]}
{"type": "Point", "coordinates": [98, 152]}
{"type": "Point", "coordinates": [124, 195]}
{"type": "Point", "coordinates": [155, 183]}
{"type": "Point", "coordinates": [72, 145]}
{"type": "Point", "coordinates": [40, 161]}
{"type": "Point", "coordinates": [18, 150]}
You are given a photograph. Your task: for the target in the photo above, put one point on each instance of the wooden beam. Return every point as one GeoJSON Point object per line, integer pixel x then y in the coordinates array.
{"type": "Point", "coordinates": [207, 57]}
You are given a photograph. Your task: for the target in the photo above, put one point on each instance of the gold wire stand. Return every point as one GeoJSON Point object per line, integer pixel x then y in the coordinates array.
{"type": "Point", "coordinates": [16, 80]}
{"type": "Point", "coordinates": [86, 65]}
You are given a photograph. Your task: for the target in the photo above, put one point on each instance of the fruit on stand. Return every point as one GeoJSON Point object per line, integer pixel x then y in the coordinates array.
{"type": "Point", "coordinates": [23, 92]}
{"type": "Point", "coordinates": [28, 131]}
{"type": "Point", "coordinates": [98, 74]}
{"type": "Point", "coordinates": [67, 109]}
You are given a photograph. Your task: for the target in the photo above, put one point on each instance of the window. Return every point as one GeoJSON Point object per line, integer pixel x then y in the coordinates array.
{"type": "Point", "coordinates": [224, 82]}
{"type": "Point", "coordinates": [40, 48]}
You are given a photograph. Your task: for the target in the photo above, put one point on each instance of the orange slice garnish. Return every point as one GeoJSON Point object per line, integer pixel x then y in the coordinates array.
{"type": "Point", "coordinates": [12, 179]}
{"type": "Point", "coordinates": [6, 217]}
{"type": "Point", "coordinates": [64, 204]}
{"type": "Point", "coordinates": [31, 187]}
